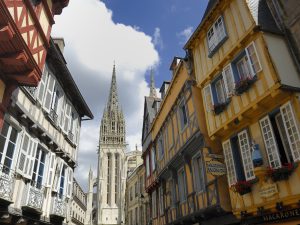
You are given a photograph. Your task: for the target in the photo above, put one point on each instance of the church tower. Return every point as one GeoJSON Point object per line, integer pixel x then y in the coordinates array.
{"type": "Point", "coordinates": [111, 162]}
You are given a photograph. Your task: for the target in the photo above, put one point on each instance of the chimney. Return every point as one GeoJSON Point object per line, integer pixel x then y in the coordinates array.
{"type": "Point", "coordinates": [164, 88]}
{"type": "Point", "coordinates": [175, 63]}
{"type": "Point", "coordinates": [60, 43]}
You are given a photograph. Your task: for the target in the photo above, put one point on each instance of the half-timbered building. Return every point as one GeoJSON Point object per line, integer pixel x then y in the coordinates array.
{"type": "Point", "coordinates": [24, 39]}
{"type": "Point", "coordinates": [38, 146]}
{"type": "Point", "coordinates": [179, 188]}
{"type": "Point", "coordinates": [250, 88]}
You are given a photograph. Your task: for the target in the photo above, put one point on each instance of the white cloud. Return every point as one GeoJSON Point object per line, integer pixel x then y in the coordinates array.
{"type": "Point", "coordinates": [185, 34]}
{"type": "Point", "coordinates": [157, 39]}
{"type": "Point", "coordinates": [93, 42]}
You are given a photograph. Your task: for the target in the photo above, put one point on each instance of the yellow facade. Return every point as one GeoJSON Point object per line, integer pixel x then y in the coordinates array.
{"type": "Point", "coordinates": [182, 191]}
{"type": "Point", "coordinates": [248, 84]}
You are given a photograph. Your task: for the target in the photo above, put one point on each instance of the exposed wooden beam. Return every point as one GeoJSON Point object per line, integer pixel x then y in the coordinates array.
{"type": "Point", "coordinates": [14, 59]}
{"type": "Point", "coordinates": [6, 33]}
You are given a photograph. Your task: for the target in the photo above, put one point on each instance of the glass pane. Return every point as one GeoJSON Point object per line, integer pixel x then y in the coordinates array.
{"type": "Point", "coordinates": [13, 135]}
{"type": "Point", "coordinates": [2, 143]}
{"type": "Point", "coordinates": [5, 129]}
{"type": "Point", "coordinates": [10, 150]}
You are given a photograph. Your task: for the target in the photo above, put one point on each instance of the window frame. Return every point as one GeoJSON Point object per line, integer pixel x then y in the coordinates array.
{"type": "Point", "coordinates": [182, 189]}
{"type": "Point", "coordinates": [183, 125]}
{"type": "Point", "coordinates": [214, 43]}
{"type": "Point", "coordinates": [198, 171]}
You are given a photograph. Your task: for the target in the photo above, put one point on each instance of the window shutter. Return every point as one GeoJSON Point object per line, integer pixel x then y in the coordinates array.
{"type": "Point", "coordinates": [229, 161]}
{"type": "Point", "coordinates": [49, 93]}
{"type": "Point", "coordinates": [77, 130]}
{"type": "Point", "coordinates": [42, 86]}
{"type": "Point", "coordinates": [253, 59]}
{"type": "Point", "coordinates": [62, 112]}
{"type": "Point", "coordinates": [67, 117]}
{"type": "Point", "coordinates": [270, 142]}
{"type": "Point", "coordinates": [228, 80]}
{"type": "Point", "coordinates": [23, 154]}
{"type": "Point", "coordinates": [57, 175]}
{"type": "Point", "coordinates": [30, 158]}
{"type": "Point", "coordinates": [51, 169]}
{"type": "Point", "coordinates": [208, 98]}
{"type": "Point", "coordinates": [246, 153]}
{"type": "Point", "coordinates": [69, 182]}
{"type": "Point", "coordinates": [291, 129]}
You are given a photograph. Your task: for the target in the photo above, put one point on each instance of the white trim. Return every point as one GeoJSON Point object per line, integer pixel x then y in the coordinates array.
{"type": "Point", "coordinates": [229, 93]}
{"type": "Point", "coordinates": [248, 55]}
{"type": "Point", "coordinates": [244, 145]}
{"type": "Point", "coordinates": [270, 142]}
{"type": "Point", "coordinates": [291, 120]}
{"type": "Point", "coordinates": [229, 162]}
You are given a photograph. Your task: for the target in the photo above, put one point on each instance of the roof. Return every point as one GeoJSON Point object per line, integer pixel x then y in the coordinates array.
{"type": "Point", "coordinates": [260, 13]}
{"type": "Point", "coordinates": [66, 80]}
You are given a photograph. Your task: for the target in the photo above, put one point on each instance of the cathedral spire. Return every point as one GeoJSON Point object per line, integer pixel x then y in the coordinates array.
{"type": "Point", "coordinates": [113, 103]}
{"type": "Point", "coordinates": [152, 85]}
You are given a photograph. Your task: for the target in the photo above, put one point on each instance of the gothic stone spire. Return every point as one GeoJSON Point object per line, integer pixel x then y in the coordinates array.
{"type": "Point", "coordinates": [112, 129]}
{"type": "Point", "coordinates": [152, 85]}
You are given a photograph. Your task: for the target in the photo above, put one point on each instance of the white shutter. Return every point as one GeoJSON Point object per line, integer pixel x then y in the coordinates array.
{"type": "Point", "coordinates": [51, 169]}
{"type": "Point", "coordinates": [67, 117]}
{"type": "Point", "coordinates": [208, 98]}
{"type": "Point", "coordinates": [69, 181]}
{"type": "Point", "coordinates": [77, 130]}
{"type": "Point", "coordinates": [246, 154]}
{"type": "Point", "coordinates": [24, 149]}
{"type": "Point", "coordinates": [42, 86]}
{"type": "Point", "coordinates": [291, 129]}
{"type": "Point", "coordinates": [49, 93]}
{"type": "Point", "coordinates": [30, 158]}
{"type": "Point", "coordinates": [270, 142]}
{"type": "Point", "coordinates": [57, 175]}
{"type": "Point", "coordinates": [229, 162]}
{"type": "Point", "coordinates": [62, 112]}
{"type": "Point", "coordinates": [228, 80]}
{"type": "Point", "coordinates": [253, 59]}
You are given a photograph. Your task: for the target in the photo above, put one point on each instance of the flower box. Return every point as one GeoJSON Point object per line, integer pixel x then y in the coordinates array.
{"type": "Point", "coordinates": [244, 186]}
{"type": "Point", "coordinates": [244, 84]}
{"type": "Point", "coordinates": [281, 173]}
{"type": "Point", "coordinates": [220, 107]}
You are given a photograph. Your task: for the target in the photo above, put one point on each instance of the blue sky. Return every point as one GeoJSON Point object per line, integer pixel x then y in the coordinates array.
{"type": "Point", "coordinates": [172, 17]}
{"type": "Point", "coordinates": [137, 35]}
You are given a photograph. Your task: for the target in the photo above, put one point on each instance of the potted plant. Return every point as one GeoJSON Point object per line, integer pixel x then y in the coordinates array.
{"type": "Point", "coordinates": [243, 186]}
{"type": "Point", "coordinates": [281, 173]}
{"type": "Point", "coordinates": [244, 84]}
{"type": "Point", "coordinates": [219, 107]}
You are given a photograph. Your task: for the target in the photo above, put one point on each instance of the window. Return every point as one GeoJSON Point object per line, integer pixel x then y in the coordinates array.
{"type": "Point", "coordinates": [117, 167]}
{"type": "Point", "coordinates": [238, 158]}
{"type": "Point", "coordinates": [154, 206]}
{"type": "Point", "coordinates": [39, 167]}
{"type": "Point", "coordinates": [8, 140]}
{"type": "Point", "coordinates": [161, 199]}
{"type": "Point", "coordinates": [136, 189]}
{"type": "Point", "coordinates": [61, 190]}
{"type": "Point", "coordinates": [281, 136]}
{"type": "Point", "coordinates": [198, 174]}
{"type": "Point", "coordinates": [173, 191]}
{"type": "Point", "coordinates": [208, 101]}
{"type": "Point", "coordinates": [161, 150]}
{"type": "Point", "coordinates": [183, 114]}
{"type": "Point", "coordinates": [216, 35]}
{"type": "Point", "coordinates": [108, 178]}
{"type": "Point", "coordinates": [153, 159]}
{"type": "Point", "coordinates": [182, 185]}
{"type": "Point", "coordinates": [220, 91]}
{"type": "Point", "coordinates": [228, 80]}
{"type": "Point", "coordinates": [147, 165]}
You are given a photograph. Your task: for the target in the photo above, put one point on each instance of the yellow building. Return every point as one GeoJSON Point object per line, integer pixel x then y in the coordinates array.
{"type": "Point", "coordinates": [250, 94]}
{"type": "Point", "coordinates": [177, 156]}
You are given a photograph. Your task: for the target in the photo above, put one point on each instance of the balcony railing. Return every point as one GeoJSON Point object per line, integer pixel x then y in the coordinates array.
{"type": "Point", "coordinates": [7, 181]}
{"type": "Point", "coordinates": [58, 206]}
{"type": "Point", "coordinates": [34, 196]}
{"type": "Point", "coordinates": [71, 136]}
{"type": "Point", "coordinates": [53, 116]}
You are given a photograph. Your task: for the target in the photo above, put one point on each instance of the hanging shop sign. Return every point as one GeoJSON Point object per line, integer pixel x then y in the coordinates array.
{"type": "Point", "coordinates": [216, 168]}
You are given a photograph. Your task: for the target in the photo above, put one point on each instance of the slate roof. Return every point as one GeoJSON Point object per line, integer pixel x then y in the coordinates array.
{"type": "Point", "coordinates": [57, 63]}
{"type": "Point", "coordinates": [260, 13]}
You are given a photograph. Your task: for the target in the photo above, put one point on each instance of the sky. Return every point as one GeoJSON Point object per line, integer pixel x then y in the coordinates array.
{"type": "Point", "coordinates": [136, 35]}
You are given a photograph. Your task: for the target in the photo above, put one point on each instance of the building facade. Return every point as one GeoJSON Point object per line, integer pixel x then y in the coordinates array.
{"type": "Point", "coordinates": [136, 197]}
{"type": "Point", "coordinates": [177, 157]}
{"type": "Point", "coordinates": [24, 41]}
{"type": "Point", "coordinates": [112, 172]}
{"type": "Point", "coordinates": [39, 144]}
{"type": "Point", "coordinates": [78, 205]}
{"type": "Point", "coordinates": [250, 88]}
{"type": "Point", "coordinates": [133, 160]}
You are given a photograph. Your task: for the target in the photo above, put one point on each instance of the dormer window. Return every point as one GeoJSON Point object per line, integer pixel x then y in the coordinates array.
{"type": "Point", "coordinates": [216, 35]}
